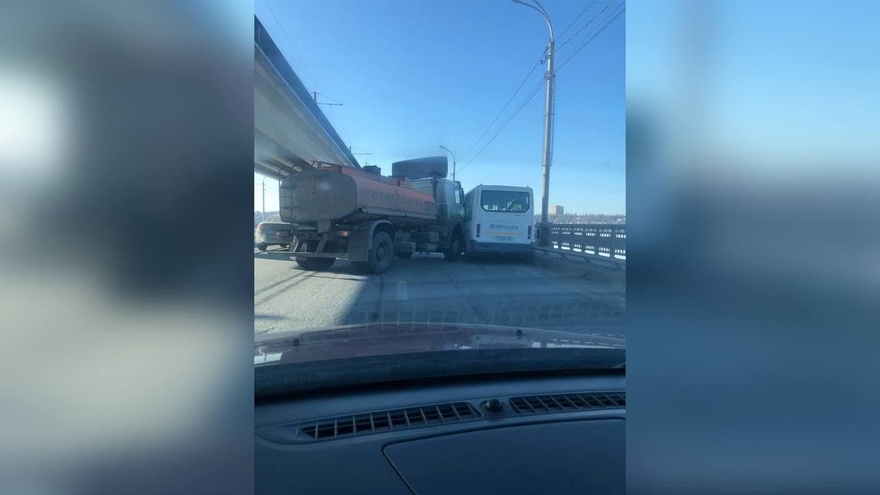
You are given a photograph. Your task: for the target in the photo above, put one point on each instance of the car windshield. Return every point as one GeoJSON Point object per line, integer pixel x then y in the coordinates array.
{"type": "Point", "coordinates": [505, 201]}
{"type": "Point", "coordinates": [386, 256]}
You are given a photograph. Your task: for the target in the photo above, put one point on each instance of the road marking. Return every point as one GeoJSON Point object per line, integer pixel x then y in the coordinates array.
{"type": "Point", "coordinates": [402, 293]}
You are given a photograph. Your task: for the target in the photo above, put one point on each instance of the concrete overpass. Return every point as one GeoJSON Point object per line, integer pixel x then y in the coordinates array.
{"type": "Point", "coordinates": [290, 130]}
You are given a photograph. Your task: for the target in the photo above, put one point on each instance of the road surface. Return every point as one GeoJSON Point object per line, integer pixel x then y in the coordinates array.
{"type": "Point", "coordinates": [545, 293]}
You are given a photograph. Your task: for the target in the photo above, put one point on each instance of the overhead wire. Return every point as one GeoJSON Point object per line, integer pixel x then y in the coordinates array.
{"type": "Point", "coordinates": [289, 41]}
{"type": "Point", "coordinates": [570, 38]}
{"type": "Point", "coordinates": [501, 112]}
{"type": "Point", "coordinates": [602, 27]}
{"type": "Point", "coordinates": [328, 98]}
{"type": "Point", "coordinates": [608, 21]}
{"type": "Point", "coordinates": [576, 18]}
{"type": "Point", "coordinates": [506, 122]}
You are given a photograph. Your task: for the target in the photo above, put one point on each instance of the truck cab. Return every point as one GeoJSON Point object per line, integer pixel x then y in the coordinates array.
{"type": "Point", "coordinates": [449, 197]}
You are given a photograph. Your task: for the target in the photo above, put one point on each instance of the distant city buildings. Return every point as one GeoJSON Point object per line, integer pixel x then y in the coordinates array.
{"type": "Point", "coordinates": [584, 218]}
{"type": "Point", "coordinates": [557, 210]}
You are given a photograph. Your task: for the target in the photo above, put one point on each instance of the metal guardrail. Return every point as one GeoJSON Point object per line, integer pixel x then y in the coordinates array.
{"type": "Point", "coordinates": [603, 242]}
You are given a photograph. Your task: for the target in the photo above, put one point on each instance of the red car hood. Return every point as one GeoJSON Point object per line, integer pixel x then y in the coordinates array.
{"type": "Point", "coordinates": [379, 339]}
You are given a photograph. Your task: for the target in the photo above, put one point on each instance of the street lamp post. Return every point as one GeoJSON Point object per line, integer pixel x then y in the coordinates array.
{"type": "Point", "coordinates": [544, 227]}
{"type": "Point", "coordinates": [453, 160]}
{"type": "Point", "coordinates": [263, 216]}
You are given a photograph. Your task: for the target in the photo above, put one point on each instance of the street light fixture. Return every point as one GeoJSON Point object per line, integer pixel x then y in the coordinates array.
{"type": "Point", "coordinates": [453, 160]}
{"type": "Point", "coordinates": [544, 227]}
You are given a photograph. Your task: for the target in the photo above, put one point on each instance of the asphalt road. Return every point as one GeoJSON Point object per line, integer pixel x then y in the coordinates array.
{"type": "Point", "coordinates": [546, 293]}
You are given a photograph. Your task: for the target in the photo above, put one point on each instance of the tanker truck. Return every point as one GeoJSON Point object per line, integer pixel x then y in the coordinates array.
{"type": "Point", "coordinates": [356, 214]}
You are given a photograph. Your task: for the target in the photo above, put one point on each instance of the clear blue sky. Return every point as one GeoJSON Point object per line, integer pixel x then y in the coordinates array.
{"type": "Point", "coordinates": [780, 90]}
{"type": "Point", "coordinates": [413, 75]}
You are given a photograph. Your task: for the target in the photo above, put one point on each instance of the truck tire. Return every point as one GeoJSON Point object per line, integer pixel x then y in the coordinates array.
{"type": "Point", "coordinates": [405, 255]}
{"type": "Point", "coordinates": [454, 251]}
{"type": "Point", "coordinates": [262, 246]}
{"type": "Point", "coordinates": [382, 253]}
{"type": "Point", "coordinates": [315, 264]}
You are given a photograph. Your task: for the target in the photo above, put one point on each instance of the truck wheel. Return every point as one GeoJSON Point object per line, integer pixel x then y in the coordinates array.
{"type": "Point", "coordinates": [262, 246]}
{"type": "Point", "coordinates": [315, 264]}
{"type": "Point", "coordinates": [382, 253]}
{"type": "Point", "coordinates": [454, 252]}
{"type": "Point", "coordinates": [405, 255]}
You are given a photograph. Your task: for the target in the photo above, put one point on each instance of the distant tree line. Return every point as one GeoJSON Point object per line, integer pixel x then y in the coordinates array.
{"type": "Point", "coordinates": [271, 216]}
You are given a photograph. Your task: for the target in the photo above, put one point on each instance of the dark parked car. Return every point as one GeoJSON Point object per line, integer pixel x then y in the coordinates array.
{"type": "Point", "coordinates": [271, 233]}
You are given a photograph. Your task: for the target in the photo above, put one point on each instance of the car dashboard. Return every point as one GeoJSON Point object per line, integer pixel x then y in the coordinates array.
{"type": "Point", "coordinates": [560, 433]}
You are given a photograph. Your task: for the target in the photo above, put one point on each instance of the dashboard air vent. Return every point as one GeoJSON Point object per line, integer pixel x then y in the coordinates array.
{"type": "Point", "coordinates": [396, 419]}
{"type": "Point", "coordinates": [568, 402]}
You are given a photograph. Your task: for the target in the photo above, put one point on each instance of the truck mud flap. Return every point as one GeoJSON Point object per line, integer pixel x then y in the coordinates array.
{"type": "Point", "coordinates": [299, 250]}
{"type": "Point", "coordinates": [359, 245]}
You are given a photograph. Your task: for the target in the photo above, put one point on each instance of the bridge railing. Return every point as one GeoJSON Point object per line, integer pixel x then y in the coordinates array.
{"type": "Point", "coordinates": [605, 242]}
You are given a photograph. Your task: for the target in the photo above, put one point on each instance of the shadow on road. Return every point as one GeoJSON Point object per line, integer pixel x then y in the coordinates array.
{"type": "Point", "coordinates": [339, 267]}
{"type": "Point", "coordinates": [276, 253]}
{"type": "Point", "coordinates": [258, 316]}
{"type": "Point", "coordinates": [487, 259]}
{"type": "Point", "coordinates": [496, 291]}
{"type": "Point", "coordinates": [542, 292]}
